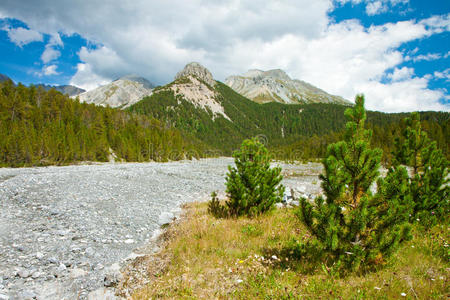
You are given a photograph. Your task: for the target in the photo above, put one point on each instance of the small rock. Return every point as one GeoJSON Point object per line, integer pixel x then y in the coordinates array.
{"type": "Point", "coordinates": [129, 241]}
{"type": "Point", "coordinates": [24, 273]}
{"type": "Point", "coordinates": [89, 251]}
{"type": "Point", "coordinates": [112, 276]}
{"type": "Point", "coordinates": [102, 294]}
{"type": "Point", "coordinates": [165, 218]}
{"type": "Point", "coordinates": [53, 260]}
{"type": "Point", "coordinates": [39, 255]}
{"type": "Point", "coordinates": [294, 203]}
{"type": "Point", "coordinates": [27, 295]}
{"type": "Point", "coordinates": [61, 268]}
{"type": "Point", "coordinates": [4, 297]}
{"type": "Point", "coordinates": [77, 272]}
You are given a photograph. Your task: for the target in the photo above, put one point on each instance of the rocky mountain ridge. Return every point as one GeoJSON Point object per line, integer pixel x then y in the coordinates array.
{"type": "Point", "coordinates": [276, 86]}
{"type": "Point", "coordinates": [196, 84]}
{"type": "Point", "coordinates": [120, 93]}
{"type": "Point", "coordinates": [70, 90]}
{"type": "Point", "coordinates": [4, 78]}
{"type": "Point", "coordinates": [196, 69]}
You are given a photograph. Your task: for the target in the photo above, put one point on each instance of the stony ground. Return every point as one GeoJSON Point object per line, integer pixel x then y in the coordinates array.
{"type": "Point", "coordinates": [66, 231]}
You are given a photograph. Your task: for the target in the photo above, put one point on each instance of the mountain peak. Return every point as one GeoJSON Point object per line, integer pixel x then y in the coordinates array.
{"type": "Point", "coordinates": [139, 79]}
{"type": "Point", "coordinates": [196, 69]}
{"type": "Point", "coordinates": [277, 73]}
{"type": "Point", "coordinates": [276, 85]}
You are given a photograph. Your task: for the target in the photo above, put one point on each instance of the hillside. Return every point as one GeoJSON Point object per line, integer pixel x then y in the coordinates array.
{"type": "Point", "coordinates": [120, 93]}
{"type": "Point", "coordinates": [41, 127]}
{"type": "Point", "coordinates": [4, 78]}
{"type": "Point", "coordinates": [64, 89]}
{"type": "Point", "coordinates": [222, 118]}
{"type": "Point", "coordinates": [277, 86]}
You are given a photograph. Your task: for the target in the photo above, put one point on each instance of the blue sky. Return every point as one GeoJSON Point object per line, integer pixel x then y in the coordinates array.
{"type": "Point", "coordinates": [396, 52]}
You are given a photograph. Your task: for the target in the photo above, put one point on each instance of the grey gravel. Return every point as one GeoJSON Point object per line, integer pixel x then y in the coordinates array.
{"type": "Point", "coordinates": [65, 231]}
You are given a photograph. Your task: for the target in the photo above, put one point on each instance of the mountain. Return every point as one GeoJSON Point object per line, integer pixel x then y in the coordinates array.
{"type": "Point", "coordinates": [212, 112]}
{"type": "Point", "coordinates": [121, 93]}
{"type": "Point", "coordinates": [4, 78]}
{"type": "Point", "coordinates": [277, 86]}
{"type": "Point", "coordinates": [65, 89]}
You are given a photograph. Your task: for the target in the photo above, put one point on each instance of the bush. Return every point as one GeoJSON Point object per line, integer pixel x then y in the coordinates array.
{"type": "Point", "coordinates": [252, 186]}
{"type": "Point", "coordinates": [351, 228]}
{"type": "Point", "coordinates": [428, 183]}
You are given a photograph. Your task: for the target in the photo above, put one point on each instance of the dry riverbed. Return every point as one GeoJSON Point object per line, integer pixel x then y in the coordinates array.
{"type": "Point", "coordinates": [65, 232]}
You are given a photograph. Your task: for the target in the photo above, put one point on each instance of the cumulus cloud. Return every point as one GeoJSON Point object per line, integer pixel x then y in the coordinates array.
{"type": "Point", "coordinates": [375, 7]}
{"type": "Point", "coordinates": [86, 78]}
{"type": "Point", "coordinates": [401, 74]}
{"type": "Point", "coordinates": [22, 36]}
{"type": "Point", "coordinates": [51, 53]}
{"type": "Point", "coordinates": [443, 75]}
{"type": "Point", "coordinates": [50, 70]}
{"type": "Point", "coordinates": [157, 38]}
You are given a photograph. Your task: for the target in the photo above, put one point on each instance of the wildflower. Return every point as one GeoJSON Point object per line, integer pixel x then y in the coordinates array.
{"type": "Point", "coordinates": [241, 261]}
{"type": "Point", "coordinates": [403, 294]}
{"type": "Point", "coordinates": [274, 257]}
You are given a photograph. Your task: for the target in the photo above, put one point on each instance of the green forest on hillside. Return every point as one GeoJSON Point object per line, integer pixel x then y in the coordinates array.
{"type": "Point", "coordinates": [292, 132]}
{"type": "Point", "coordinates": [41, 128]}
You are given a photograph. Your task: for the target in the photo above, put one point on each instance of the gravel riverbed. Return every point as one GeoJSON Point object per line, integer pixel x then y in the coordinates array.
{"type": "Point", "coordinates": [64, 230]}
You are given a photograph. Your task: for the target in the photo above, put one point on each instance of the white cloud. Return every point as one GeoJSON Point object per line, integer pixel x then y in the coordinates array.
{"type": "Point", "coordinates": [50, 70]}
{"type": "Point", "coordinates": [87, 79]}
{"type": "Point", "coordinates": [157, 38]}
{"type": "Point", "coordinates": [427, 57]}
{"type": "Point", "coordinates": [402, 96]}
{"type": "Point", "coordinates": [401, 74]}
{"type": "Point", "coordinates": [22, 36]}
{"type": "Point", "coordinates": [443, 75]}
{"type": "Point", "coordinates": [49, 54]}
{"type": "Point", "coordinates": [375, 8]}
{"type": "Point", "coordinates": [437, 24]}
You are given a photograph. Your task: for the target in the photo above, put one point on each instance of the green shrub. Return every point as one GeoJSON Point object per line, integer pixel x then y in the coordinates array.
{"type": "Point", "coordinates": [351, 228]}
{"type": "Point", "coordinates": [428, 183]}
{"type": "Point", "coordinates": [252, 186]}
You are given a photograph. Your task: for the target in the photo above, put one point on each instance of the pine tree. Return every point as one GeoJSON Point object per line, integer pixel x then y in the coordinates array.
{"type": "Point", "coordinates": [353, 229]}
{"type": "Point", "coordinates": [253, 187]}
{"type": "Point", "coordinates": [429, 180]}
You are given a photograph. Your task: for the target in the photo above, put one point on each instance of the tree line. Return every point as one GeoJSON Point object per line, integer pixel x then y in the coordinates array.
{"type": "Point", "coordinates": [39, 127]}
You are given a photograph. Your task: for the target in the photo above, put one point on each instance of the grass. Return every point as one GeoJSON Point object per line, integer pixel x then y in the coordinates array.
{"type": "Point", "coordinates": [208, 258]}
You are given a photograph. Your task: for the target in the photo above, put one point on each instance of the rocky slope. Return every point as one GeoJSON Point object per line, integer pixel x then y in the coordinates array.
{"type": "Point", "coordinates": [196, 84]}
{"type": "Point", "coordinates": [4, 78]}
{"type": "Point", "coordinates": [65, 89]}
{"type": "Point", "coordinates": [276, 85]}
{"type": "Point", "coordinates": [196, 69]}
{"type": "Point", "coordinates": [122, 92]}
